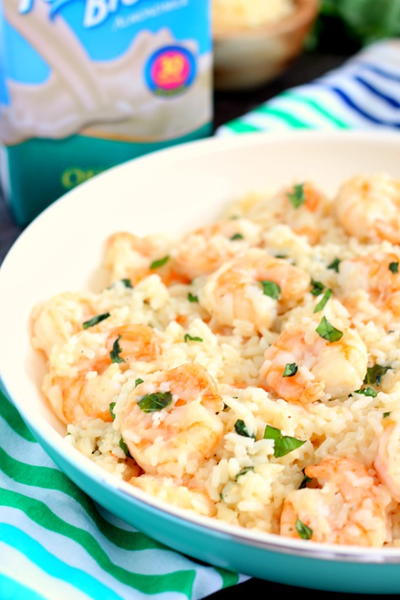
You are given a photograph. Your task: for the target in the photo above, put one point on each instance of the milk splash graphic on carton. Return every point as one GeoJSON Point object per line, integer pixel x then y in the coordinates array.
{"type": "Point", "coordinates": [87, 84]}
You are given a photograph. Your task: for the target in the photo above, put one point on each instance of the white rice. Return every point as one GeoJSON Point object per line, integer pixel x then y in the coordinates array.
{"type": "Point", "coordinates": [242, 482]}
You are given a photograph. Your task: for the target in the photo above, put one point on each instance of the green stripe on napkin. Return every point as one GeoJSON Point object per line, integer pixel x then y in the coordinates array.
{"type": "Point", "coordinates": [62, 538]}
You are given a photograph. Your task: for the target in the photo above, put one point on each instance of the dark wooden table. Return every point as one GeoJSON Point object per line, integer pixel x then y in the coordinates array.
{"type": "Point", "coordinates": [228, 106]}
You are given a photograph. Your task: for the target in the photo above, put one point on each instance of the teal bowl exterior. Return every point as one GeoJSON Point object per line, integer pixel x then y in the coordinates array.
{"type": "Point", "coordinates": [230, 551]}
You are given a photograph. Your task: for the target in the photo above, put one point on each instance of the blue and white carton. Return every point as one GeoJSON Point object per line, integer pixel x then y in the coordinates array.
{"type": "Point", "coordinates": [87, 84]}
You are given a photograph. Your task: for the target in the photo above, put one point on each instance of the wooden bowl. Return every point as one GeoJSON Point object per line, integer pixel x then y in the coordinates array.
{"type": "Point", "coordinates": [249, 57]}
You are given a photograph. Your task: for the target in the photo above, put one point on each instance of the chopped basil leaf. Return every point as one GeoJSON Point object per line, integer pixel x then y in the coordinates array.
{"type": "Point", "coordinates": [394, 267]}
{"type": "Point", "coordinates": [297, 196]}
{"type": "Point", "coordinates": [303, 530]}
{"type": "Point", "coordinates": [286, 444]}
{"type": "Point", "coordinates": [191, 338]}
{"type": "Point", "coordinates": [367, 391]}
{"type": "Point", "coordinates": [335, 265]}
{"type": "Point", "coordinates": [305, 480]}
{"type": "Point", "coordinates": [328, 331]}
{"type": "Point", "coordinates": [156, 264]}
{"type": "Point", "coordinates": [271, 289]}
{"type": "Point", "coordinates": [192, 297]}
{"type": "Point", "coordinates": [116, 351]}
{"type": "Point", "coordinates": [237, 236]}
{"type": "Point", "coordinates": [374, 374]}
{"type": "Point", "coordinates": [124, 447]}
{"type": "Point", "coordinates": [316, 287]}
{"type": "Point", "coordinates": [241, 429]}
{"type": "Point", "coordinates": [127, 283]}
{"type": "Point", "coordinates": [138, 381]}
{"type": "Point", "coordinates": [386, 414]}
{"type": "Point", "coordinates": [95, 320]}
{"type": "Point", "coordinates": [243, 472]}
{"type": "Point", "coordinates": [290, 370]}
{"type": "Point", "coordinates": [322, 303]}
{"type": "Point", "coordinates": [111, 409]}
{"type": "Point", "coordinates": [272, 433]}
{"type": "Point", "coordinates": [281, 256]}
{"type": "Point", "coordinates": [283, 443]}
{"type": "Point", "coordinates": [155, 402]}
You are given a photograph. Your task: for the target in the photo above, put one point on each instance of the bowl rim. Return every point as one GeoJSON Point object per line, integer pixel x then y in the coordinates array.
{"type": "Point", "coordinates": [304, 12]}
{"type": "Point", "coordinates": [46, 433]}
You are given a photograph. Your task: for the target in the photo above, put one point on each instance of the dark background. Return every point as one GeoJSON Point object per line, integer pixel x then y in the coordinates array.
{"type": "Point", "coordinates": [227, 107]}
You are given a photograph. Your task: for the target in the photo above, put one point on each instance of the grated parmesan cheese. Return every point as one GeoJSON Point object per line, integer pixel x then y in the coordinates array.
{"type": "Point", "coordinates": [231, 14]}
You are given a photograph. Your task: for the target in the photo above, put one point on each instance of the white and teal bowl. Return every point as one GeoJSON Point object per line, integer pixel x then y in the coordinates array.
{"type": "Point", "coordinates": [172, 191]}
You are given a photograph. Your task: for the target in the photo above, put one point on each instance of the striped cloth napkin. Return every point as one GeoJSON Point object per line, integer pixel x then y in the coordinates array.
{"type": "Point", "coordinates": [362, 94]}
{"type": "Point", "coordinates": [55, 543]}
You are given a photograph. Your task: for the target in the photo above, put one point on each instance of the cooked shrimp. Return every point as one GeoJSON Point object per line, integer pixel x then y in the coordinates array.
{"type": "Point", "coordinates": [204, 250]}
{"type": "Point", "coordinates": [369, 286]}
{"type": "Point", "coordinates": [54, 321]}
{"type": "Point", "coordinates": [131, 257]}
{"type": "Point", "coordinates": [368, 208]}
{"type": "Point", "coordinates": [387, 462]}
{"type": "Point", "coordinates": [128, 256]}
{"type": "Point", "coordinates": [178, 495]}
{"type": "Point", "coordinates": [301, 207]}
{"type": "Point", "coordinates": [86, 395]}
{"type": "Point", "coordinates": [351, 507]}
{"type": "Point", "coordinates": [137, 342]}
{"type": "Point", "coordinates": [322, 368]}
{"type": "Point", "coordinates": [236, 291]}
{"type": "Point", "coordinates": [170, 423]}
{"type": "Point", "coordinates": [92, 381]}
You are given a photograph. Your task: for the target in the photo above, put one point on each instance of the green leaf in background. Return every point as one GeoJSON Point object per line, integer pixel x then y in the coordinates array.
{"type": "Point", "coordinates": [329, 7]}
{"type": "Point", "coordinates": [371, 19]}
{"type": "Point", "coordinates": [345, 25]}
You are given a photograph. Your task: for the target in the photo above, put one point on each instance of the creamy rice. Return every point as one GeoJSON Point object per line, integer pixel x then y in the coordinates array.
{"type": "Point", "coordinates": [261, 377]}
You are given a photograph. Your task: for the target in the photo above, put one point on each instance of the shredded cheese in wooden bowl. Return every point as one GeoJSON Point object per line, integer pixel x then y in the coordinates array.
{"type": "Point", "coordinates": [231, 14]}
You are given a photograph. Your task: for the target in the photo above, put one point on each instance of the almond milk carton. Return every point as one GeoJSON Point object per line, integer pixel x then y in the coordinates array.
{"type": "Point", "coordinates": [87, 84]}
